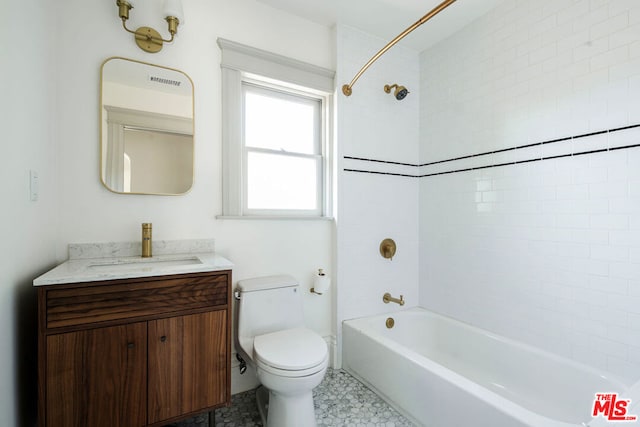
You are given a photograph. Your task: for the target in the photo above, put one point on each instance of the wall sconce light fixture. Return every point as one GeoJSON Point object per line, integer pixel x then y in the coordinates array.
{"type": "Point", "coordinates": [147, 38]}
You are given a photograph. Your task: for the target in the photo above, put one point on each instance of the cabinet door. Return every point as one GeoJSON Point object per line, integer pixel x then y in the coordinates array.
{"type": "Point", "coordinates": [97, 377]}
{"type": "Point", "coordinates": [187, 364]}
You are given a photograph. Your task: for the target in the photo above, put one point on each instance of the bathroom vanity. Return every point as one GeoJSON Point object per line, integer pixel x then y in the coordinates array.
{"type": "Point", "coordinates": [133, 342]}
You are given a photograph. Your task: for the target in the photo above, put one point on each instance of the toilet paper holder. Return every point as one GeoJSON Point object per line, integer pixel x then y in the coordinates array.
{"type": "Point", "coordinates": [321, 283]}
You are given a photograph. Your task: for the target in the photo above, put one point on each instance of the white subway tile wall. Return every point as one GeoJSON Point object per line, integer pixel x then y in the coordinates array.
{"type": "Point", "coordinates": [371, 207]}
{"type": "Point", "coordinates": [547, 252]}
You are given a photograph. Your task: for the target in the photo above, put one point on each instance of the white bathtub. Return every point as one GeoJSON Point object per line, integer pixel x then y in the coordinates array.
{"type": "Point", "coordinates": [440, 372]}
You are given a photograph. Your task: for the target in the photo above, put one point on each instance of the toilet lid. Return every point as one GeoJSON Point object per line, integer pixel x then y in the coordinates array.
{"type": "Point", "coordinates": [290, 349]}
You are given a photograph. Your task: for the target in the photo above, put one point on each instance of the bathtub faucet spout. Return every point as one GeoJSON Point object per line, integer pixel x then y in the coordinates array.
{"type": "Point", "coordinates": [387, 298]}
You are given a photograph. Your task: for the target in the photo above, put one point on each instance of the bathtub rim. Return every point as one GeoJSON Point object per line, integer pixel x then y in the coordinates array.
{"type": "Point", "coordinates": [499, 402]}
{"type": "Point", "coordinates": [417, 309]}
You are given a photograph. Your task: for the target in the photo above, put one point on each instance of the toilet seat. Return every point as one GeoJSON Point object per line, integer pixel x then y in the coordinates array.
{"type": "Point", "coordinates": [291, 352]}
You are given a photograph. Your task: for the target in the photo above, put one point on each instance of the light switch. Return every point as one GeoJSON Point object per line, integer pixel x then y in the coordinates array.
{"type": "Point", "coordinates": [33, 185]}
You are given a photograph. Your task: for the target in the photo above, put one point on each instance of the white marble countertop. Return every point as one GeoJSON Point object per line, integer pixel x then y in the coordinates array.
{"type": "Point", "coordinates": [83, 269]}
{"type": "Point", "coordinates": [96, 269]}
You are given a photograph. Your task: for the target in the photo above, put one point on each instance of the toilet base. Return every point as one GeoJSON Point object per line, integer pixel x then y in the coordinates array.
{"type": "Point", "coordinates": [285, 411]}
{"type": "Point", "coordinates": [262, 399]}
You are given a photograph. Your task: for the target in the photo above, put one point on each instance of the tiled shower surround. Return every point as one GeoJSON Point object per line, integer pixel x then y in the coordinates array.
{"type": "Point", "coordinates": [527, 178]}
{"type": "Point", "coordinates": [547, 252]}
{"type": "Point", "coordinates": [373, 124]}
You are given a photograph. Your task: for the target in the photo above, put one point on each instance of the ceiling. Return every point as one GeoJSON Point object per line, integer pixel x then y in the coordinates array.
{"type": "Point", "coordinates": [388, 18]}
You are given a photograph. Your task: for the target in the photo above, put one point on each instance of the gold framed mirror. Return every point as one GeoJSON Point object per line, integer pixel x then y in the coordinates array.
{"type": "Point", "coordinates": [147, 127]}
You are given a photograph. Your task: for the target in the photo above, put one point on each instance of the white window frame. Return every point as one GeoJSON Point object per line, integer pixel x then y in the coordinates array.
{"type": "Point", "coordinates": [246, 65]}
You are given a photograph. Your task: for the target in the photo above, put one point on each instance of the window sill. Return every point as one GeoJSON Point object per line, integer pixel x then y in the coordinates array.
{"type": "Point", "coordinates": [275, 217]}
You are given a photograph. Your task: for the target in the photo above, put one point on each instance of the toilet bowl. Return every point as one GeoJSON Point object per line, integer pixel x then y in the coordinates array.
{"type": "Point", "coordinates": [290, 360]}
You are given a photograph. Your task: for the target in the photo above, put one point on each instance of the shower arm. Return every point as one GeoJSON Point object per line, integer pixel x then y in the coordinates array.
{"type": "Point", "coordinates": [346, 89]}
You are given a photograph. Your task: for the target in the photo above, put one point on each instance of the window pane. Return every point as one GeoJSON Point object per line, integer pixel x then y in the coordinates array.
{"type": "Point", "coordinates": [281, 182]}
{"type": "Point", "coordinates": [277, 121]}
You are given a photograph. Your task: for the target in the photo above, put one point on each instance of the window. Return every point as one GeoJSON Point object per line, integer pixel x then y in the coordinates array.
{"type": "Point", "coordinates": [276, 155]}
{"type": "Point", "coordinates": [283, 162]}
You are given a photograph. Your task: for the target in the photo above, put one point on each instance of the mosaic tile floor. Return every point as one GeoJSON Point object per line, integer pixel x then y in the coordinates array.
{"type": "Point", "coordinates": [340, 400]}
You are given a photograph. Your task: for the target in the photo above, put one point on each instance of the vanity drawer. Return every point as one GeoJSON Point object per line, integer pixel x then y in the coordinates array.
{"type": "Point", "coordinates": [133, 298]}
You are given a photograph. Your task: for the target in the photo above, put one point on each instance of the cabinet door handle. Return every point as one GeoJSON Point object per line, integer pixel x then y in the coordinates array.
{"type": "Point", "coordinates": [130, 345]}
{"type": "Point", "coordinates": [163, 338]}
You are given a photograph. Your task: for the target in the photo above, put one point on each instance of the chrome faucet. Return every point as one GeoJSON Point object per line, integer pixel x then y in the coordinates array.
{"type": "Point", "coordinates": [387, 298]}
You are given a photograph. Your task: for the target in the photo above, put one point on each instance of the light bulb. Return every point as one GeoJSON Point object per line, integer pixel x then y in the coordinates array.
{"type": "Point", "coordinates": [174, 8]}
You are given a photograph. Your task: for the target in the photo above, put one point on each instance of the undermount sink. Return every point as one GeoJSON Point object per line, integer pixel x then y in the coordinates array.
{"type": "Point", "coordinates": [133, 264]}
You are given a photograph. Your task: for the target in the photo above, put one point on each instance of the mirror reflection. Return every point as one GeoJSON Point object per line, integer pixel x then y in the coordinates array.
{"type": "Point", "coordinates": [147, 128]}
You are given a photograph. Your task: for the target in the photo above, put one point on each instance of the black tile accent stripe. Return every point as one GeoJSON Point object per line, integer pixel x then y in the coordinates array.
{"type": "Point", "coordinates": [380, 161]}
{"type": "Point", "coordinates": [381, 173]}
{"type": "Point", "coordinates": [584, 135]}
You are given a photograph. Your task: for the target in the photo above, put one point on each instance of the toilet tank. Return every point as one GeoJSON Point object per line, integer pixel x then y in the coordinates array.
{"type": "Point", "coordinates": [269, 304]}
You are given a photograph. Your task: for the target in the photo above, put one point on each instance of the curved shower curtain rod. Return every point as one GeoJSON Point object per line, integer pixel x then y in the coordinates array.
{"type": "Point", "coordinates": [346, 89]}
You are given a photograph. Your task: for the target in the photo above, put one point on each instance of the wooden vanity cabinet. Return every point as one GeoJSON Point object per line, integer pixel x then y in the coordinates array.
{"type": "Point", "coordinates": [182, 352]}
{"type": "Point", "coordinates": [134, 352]}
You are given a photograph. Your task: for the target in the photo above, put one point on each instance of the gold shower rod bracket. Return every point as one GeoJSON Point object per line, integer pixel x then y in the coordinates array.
{"type": "Point", "coordinates": [347, 89]}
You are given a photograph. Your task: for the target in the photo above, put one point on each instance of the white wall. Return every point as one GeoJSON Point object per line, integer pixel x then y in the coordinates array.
{"type": "Point", "coordinates": [28, 227]}
{"type": "Point", "coordinates": [547, 252]}
{"type": "Point", "coordinates": [91, 213]}
{"type": "Point", "coordinates": [371, 207]}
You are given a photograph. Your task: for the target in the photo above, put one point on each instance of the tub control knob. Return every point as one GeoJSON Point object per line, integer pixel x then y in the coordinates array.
{"type": "Point", "coordinates": [388, 249]}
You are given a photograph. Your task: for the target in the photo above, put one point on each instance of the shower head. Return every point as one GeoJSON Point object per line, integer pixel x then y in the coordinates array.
{"type": "Point", "coordinates": [400, 93]}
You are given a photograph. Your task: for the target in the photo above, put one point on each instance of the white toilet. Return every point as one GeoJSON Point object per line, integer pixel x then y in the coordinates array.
{"type": "Point", "coordinates": [290, 360]}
